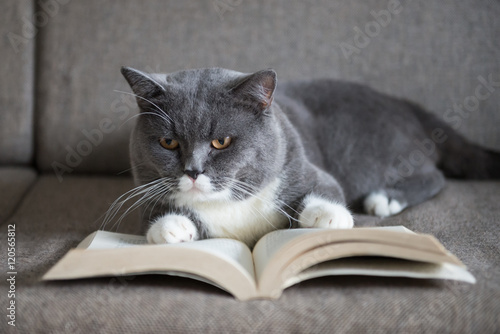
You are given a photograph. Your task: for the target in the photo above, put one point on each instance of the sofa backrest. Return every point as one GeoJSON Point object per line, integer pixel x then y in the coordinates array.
{"type": "Point", "coordinates": [443, 55]}
{"type": "Point", "coordinates": [17, 70]}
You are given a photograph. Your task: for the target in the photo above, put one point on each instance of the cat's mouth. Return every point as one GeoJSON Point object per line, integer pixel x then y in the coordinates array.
{"type": "Point", "coordinates": [201, 184]}
{"type": "Point", "coordinates": [199, 190]}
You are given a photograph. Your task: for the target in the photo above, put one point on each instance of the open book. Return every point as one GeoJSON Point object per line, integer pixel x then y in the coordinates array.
{"type": "Point", "coordinates": [279, 259]}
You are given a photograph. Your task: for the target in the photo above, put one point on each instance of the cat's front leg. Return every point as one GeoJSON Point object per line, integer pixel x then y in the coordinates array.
{"type": "Point", "coordinates": [172, 228]}
{"type": "Point", "coordinates": [323, 206]}
{"type": "Point", "coordinates": [322, 213]}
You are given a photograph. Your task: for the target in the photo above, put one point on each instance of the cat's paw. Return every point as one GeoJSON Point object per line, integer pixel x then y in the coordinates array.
{"type": "Point", "coordinates": [171, 229]}
{"type": "Point", "coordinates": [378, 204]}
{"type": "Point", "coordinates": [321, 213]}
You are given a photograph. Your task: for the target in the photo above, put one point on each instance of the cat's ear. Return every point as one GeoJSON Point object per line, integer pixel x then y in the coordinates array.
{"type": "Point", "coordinates": [257, 89]}
{"type": "Point", "coordinates": [143, 85]}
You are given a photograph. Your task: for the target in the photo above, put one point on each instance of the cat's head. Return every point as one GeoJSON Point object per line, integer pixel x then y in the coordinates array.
{"type": "Point", "coordinates": [211, 134]}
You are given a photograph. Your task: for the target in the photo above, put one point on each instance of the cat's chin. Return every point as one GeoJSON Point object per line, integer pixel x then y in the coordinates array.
{"type": "Point", "coordinates": [200, 191]}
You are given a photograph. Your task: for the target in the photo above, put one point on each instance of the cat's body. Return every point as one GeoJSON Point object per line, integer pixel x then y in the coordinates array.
{"type": "Point", "coordinates": [362, 137]}
{"type": "Point", "coordinates": [228, 154]}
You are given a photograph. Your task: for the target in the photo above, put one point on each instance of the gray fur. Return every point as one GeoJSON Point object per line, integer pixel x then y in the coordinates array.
{"type": "Point", "coordinates": [339, 140]}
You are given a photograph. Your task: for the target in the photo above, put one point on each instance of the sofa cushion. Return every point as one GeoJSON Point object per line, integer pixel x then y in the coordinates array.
{"type": "Point", "coordinates": [436, 53]}
{"type": "Point", "coordinates": [55, 216]}
{"type": "Point", "coordinates": [17, 72]}
{"type": "Point", "coordinates": [14, 183]}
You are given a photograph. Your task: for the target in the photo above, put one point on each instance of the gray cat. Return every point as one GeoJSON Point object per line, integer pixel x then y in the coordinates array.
{"type": "Point", "coordinates": [218, 153]}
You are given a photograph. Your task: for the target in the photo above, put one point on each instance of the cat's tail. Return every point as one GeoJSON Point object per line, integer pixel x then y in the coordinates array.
{"type": "Point", "coordinates": [458, 157]}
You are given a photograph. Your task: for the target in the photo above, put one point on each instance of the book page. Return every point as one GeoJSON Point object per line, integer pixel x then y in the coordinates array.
{"type": "Point", "coordinates": [271, 243]}
{"type": "Point", "coordinates": [233, 251]}
{"type": "Point", "coordinates": [281, 255]}
{"type": "Point", "coordinates": [229, 249]}
{"type": "Point", "coordinates": [225, 263]}
{"type": "Point", "coordinates": [380, 266]}
{"type": "Point", "coordinates": [110, 240]}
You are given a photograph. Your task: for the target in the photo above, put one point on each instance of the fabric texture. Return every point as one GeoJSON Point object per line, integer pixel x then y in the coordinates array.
{"type": "Point", "coordinates": [443, 55]}
{"type": "Point", "coordinates": [435, 53]}
{"type": "Point", "coordinates": [17, 70]}
{"type": "Point", "coordinates": [464, 217]}
{"type": "Point", "coordinates": [14, 182]}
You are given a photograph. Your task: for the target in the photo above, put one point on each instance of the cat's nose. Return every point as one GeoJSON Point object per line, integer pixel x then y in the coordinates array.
{"type": "Point", "coordinates": [193, 173]}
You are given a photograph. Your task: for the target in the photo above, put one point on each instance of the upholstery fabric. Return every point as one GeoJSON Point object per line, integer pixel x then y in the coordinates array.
{"type": "Point", "coordinates": [55, 216]}
{"type": "Point", "coordinates": [17, 69]}
{"type": "Point", "coordinates": [14, 182]}
{"type": "Point", "coordinates": [436, 53]}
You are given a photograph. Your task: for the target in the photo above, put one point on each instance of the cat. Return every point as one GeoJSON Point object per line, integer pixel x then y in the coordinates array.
{"type": "Point", "coordinates": [219, 153]}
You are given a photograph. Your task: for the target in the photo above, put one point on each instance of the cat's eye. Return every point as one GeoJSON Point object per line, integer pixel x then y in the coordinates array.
{"type": "Point", "coordinates": [169, 144]}
{"type": "Point", "coordinates": [221, 143]}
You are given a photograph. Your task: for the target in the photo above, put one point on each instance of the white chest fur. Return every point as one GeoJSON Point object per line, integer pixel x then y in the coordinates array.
{"type": "Point", "coordinates": [246, 220]}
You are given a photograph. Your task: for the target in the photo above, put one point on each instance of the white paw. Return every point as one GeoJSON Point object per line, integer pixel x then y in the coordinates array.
{"type": "Point", "coordinates": [171, 229]}
{"type": "Point", "coordinates": [321, 213]}
{"type": "Point", "coordinates": [379, 205]}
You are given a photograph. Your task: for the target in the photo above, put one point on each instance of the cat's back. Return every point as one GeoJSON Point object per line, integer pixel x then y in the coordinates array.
{"type": "Point", "coordinates": [327, 96]}
{"type": "Point", "coordinates": [349, 129]}
{"type": "Point", "coordinates": [340, 105]}
{"type": "Point", "coordinates": [345, 111]}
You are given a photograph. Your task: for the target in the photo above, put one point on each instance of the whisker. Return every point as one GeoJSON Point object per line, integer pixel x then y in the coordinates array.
{"type": "Point", "coordinates": [144, 113]}
{"type": "Point", "coordinates": [142, 98]}
{"type": "Point", "coordinates": [115, 210]}
{"type": "Point", "coordinates": [251, 191]}
{"type": "Point", "coordinates": [149, 77]}
{"type": "Point", "coordinates": [148, 196]}
{"type": "Point", "coordinates": [290, 218]}
{"type": "Point", "coordinates": [254, 210]}
{"type": "Point", "coordinates": [129, 169]}
{"type": "Point", "coordinates": [160, 195]}
{"type": "Point", "coordinates": [115, 207]}
{"type": "Point", "coordinates": [278, 200]}
{"type": "Point", "coordinates": [255, 189]}
{"type": "Point", "coordinates": [144, 199]}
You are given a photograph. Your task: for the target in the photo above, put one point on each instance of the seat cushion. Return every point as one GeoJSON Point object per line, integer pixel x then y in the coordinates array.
{"type": "Point", "coordinates": [55, 216]}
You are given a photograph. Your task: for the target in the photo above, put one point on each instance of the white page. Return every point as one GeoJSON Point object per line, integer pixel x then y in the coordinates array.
{"type": "Point", "coordinates": [238, 252]}
{"type": "Point", "coordinates": [231, 250]}
{"type": "Point", "coordinates": [386, 267]}
{"type": "Point", "coordinates": [110, 240]}
{"type": "Point", "coordinates": [271, 243]}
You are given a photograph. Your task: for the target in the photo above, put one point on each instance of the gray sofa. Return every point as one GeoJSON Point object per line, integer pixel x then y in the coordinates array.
{"type": "Point", "coordinates": [64, 135]}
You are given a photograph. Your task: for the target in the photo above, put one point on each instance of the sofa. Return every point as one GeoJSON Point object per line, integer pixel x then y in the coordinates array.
{"type": "Point", "coordinates": [65, 123]}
